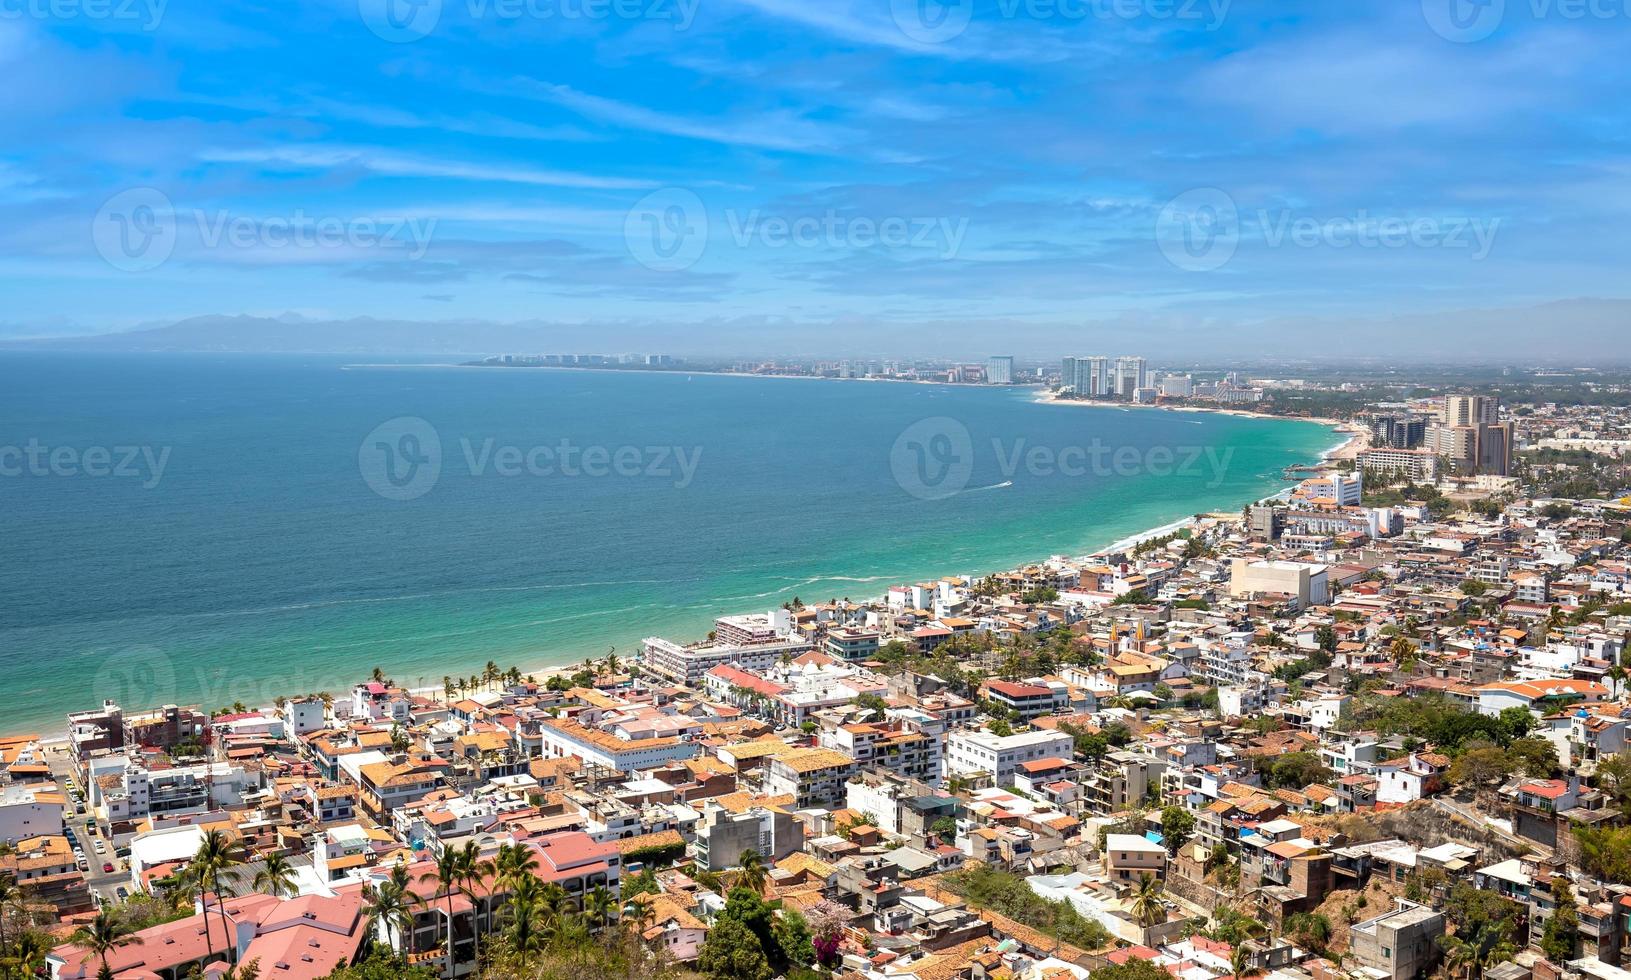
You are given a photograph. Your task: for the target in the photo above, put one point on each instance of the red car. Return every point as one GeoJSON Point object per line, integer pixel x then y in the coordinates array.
{"type": "Point", "coordinates": [107, 867]}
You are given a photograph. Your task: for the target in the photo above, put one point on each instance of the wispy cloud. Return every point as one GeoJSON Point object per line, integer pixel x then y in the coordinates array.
{"type": "Point", "coordinates": [388, 163]}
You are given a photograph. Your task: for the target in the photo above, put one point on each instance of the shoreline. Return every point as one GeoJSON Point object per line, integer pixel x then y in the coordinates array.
{"type": "Point", "coordinates": [1356, 440]}
{"type": "Point", "coordinates": [542, 670]}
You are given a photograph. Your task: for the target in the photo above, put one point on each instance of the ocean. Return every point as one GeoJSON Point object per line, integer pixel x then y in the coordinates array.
{"type": "Point", "coordinates": [210, 529]}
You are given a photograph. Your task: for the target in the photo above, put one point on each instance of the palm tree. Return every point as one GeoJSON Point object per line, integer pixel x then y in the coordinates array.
{"type": "Point", "coordinates": [391, 906]}
{"type": "Point", "coordinates": [448, 687]}
{"type": "Point", "coordinates": [1148, 907]}
{"type": "Point", "coordinates": [752, 874]}
{"type": "Point", "coordinates": [513, 865]}
{"type": "Point", "coordinates": [1477, 950]}
{"type": "Point", "coordinates": [105, 934]}
{"type": "Point", "coordinates": [1240, 959]}
{"type": "Point", "coordinates": [216, 853]}
{"type": "Point", "coordinates": [446, 879]}
{"type": "Point", "coordinates": [638, 915]}
{"type": "Point", "coordinates": [472, 870]}
{"type": "Point", "coordinates": [556, 900]}
{"type": "Point", "coordinates": [491, 673]}
{"type": "Point", "coordinates": [11, 896]}
{"type": "Point", "coordinates": [600, 907]}
{"type": "Point", "coordinates": [526, 913]}
{"type": "Point", "coordinates": [27, 954]}
{"type": "Point", "coordinates": [276, 877]}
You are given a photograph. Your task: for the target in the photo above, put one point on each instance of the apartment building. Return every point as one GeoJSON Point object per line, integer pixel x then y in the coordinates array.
{"type": "Point", "coordinates": [813, 777]}
{"type": "Point", "coordinates": [971, 753]}
{"type": "Point", "coordinates": [1030, 699]}
{"type": "Point", "coordinates": [560, 737]}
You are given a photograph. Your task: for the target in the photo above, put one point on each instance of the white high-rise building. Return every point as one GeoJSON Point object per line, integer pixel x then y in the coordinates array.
{"type": "Point", "coordinates": [1131, 375]}
{"type": "Point", "coordinates": [999, 370]}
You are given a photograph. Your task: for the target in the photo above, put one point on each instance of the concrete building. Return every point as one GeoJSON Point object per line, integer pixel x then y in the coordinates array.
{"type": "Point", "coordinates": [28, 811]}
{"type": "Point", "coordinates": [999, 370]}
{"type": "Point", "coordinates": [813, 777]}
{"type": "Point", "coordinates": [688, 664]}
{"type": "Point", "coordinates": [968, 753]}
{"type": "Point", "coordinates": [1416, 465]}
{"type": "Point", "coordinates": [1401, 944]}
{"type": "Point", "coordinates": [1129, 857]}
{"type": "Point", "coordinates": [1131, 375]}
{"type": "Point", "coordinates": [1302, 581]}
{"type": "Point", "coordinates": [723, 834]}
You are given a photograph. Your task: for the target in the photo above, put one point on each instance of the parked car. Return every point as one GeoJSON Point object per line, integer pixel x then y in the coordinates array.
{"type": "Point", "coordinates": [107, 867]}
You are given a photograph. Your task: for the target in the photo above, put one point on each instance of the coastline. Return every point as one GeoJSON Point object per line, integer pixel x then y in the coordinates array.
{"type": "Point", "coordinates": [542, 664]}
{"type": "Point", "coordinates": [1356, 440]}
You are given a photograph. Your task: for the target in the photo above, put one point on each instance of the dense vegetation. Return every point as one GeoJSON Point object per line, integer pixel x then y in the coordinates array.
{"type": "Point", "coordinates": [986, 887]}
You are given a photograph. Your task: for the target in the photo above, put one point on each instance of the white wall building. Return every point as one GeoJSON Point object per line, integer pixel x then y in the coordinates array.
{"type": "Point", "coordinates": [968, 753]}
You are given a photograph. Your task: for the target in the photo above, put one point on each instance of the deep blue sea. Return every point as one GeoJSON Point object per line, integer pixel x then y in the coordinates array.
{"type": "Point", "coordinates": [218, 528]}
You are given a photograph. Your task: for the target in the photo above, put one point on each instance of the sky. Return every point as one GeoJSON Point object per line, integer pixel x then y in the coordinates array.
{"type": "Point", "coordinates": [939, 171]}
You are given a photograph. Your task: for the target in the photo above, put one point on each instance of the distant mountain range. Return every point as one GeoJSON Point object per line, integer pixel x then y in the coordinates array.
{"type": "Point", "coordinates": [1576, 331]}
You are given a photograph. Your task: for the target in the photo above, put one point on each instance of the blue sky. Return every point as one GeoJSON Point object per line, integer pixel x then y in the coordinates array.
{"type": "Point", "coordinates": [787, 165]}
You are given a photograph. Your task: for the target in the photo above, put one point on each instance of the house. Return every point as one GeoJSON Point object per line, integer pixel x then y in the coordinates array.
{"type": "Point", "coordinates": [1128, 857]}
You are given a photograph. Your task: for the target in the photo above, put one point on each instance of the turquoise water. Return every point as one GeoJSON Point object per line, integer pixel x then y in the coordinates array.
{"type": "Point", "coordinates": [260, 560]}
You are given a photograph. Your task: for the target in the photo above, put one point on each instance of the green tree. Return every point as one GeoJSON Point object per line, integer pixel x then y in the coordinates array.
{"type": "Point", "coordinates": [1474, 950]}
{"type": "Point", "coordinates": [1149, 904]}
{"type": "Point", "coordinates": [1310, 929]}
{"type": "Point", "coordinates": [733, 952]}
{"type": "Point", "coordinates": [446, 879]}
{"type": "Point", "coordinates": [380, 965]}
{"type": "Point", "coordinates": [1476, 768]}
{"type": "Point", "coordinates": [1562, 933]}
{"type": "Point", "coordinates": [1177, 824]}
{"type": "Point", "coordinates": [216, 853]}
{"type": "Point", "coordinates": [105, 934]}
{"type": "Point", "coordinates": [276, 877]}
{"type": "Point", "coordinates": [752, 873]}
{"type": "Point", "coordinates": [389, 910]}
{"type": "Point", "coordinates": [794, 939]}
{"type": "Point", "coordinates": [1133, 969]}
{"type": "Point", "coordinates": [1534, 757]}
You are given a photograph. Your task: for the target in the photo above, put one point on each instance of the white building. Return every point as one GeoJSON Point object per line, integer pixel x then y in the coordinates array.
{"type": "Point", "coordinates": [1302, 581]}
{"type": "Point", "coordinates": [304, 715]}
{"type": "Point", "coordinates": [688, 665]}
{"type": "Point", "coordinates": [29, 811]}
{"type": "Point", "coordinates": [968, 753]}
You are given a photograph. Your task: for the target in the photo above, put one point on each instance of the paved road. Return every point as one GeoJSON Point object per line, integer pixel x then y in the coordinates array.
{"type": "Point", "coordinates": [103, 885]}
